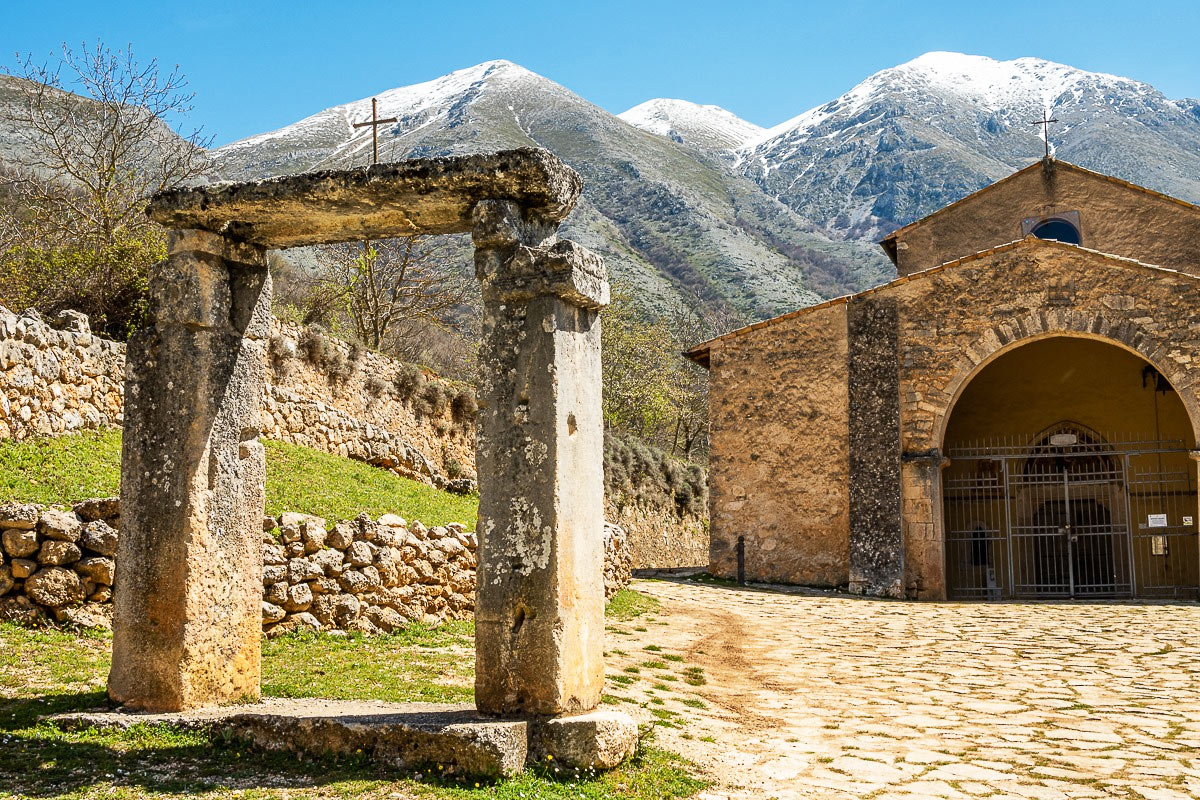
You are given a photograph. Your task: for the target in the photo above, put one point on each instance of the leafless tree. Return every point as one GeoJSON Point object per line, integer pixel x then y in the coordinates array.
{"type": "Point", "coordinates": [95, 140]}
{"type": "Point", "coordinates": [98, 140]}
{"type": "Point", "coordinates": [387, 286]}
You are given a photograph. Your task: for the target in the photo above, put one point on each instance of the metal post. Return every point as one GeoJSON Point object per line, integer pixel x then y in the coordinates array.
{"type": "Point", "coordinates": [1070, 533]}
{"type": "Point", "coordinates": [741, 557]}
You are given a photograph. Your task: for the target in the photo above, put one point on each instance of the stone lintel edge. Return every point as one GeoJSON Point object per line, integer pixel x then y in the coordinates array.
{"type": "Point", "coordinates": [566, 270]}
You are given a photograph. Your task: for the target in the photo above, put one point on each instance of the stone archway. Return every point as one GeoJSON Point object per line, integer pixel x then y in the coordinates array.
{"type": "Point", "coordinates": [1056, 451]}
{"type": "Point", "coordinates": [188, 618]}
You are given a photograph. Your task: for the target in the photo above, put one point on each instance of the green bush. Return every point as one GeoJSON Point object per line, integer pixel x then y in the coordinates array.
{"type": "Point", "coordinates": [107, 282]}
{"type": "Point", "coordinates": [636, 472]}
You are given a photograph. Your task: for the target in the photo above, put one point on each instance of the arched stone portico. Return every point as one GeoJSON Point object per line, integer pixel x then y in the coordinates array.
{"type": "Point", "coordinates": [925, 422]}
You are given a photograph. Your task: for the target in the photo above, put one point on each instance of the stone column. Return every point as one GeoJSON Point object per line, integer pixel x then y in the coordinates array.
{"type": "Point", "coordinates": [539, 610]}
{"type": "Point", "coordinates": [187, 618]}
{"type": "Point", "coordinates": [876, 532]}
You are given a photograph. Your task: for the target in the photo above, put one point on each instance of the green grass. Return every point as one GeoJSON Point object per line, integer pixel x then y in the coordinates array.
{"type": "Point", "coordinates": [65, 469]}
{"type": "Point", "coordinates": [628, 604]}
{"type": "Point", "coordinates": [47, 671]}
{"type": "Point", "coordinates": [424, 664]}
{"type": "Point", "coordinates": [61, 469]}
{"type": "Point", "coordinates": [312, 482]}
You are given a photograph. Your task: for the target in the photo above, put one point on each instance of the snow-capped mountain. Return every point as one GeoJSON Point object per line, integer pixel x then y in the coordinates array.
{"type": "Point", "coordinates": [674, 223]}
{"type": "Point", "coordinates": [913, 138]}
{"type": "Point", "coordinates": [688, 201]}
{"type": "Point", "coordinates": [710, 128]}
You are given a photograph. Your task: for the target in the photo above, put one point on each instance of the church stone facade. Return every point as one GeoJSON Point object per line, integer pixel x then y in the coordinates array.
{"type": "Point", "coordinates": [1012, 416]}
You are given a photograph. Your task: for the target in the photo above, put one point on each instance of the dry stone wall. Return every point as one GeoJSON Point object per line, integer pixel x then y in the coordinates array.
{"type": "Point", "coordinates": [366, 575]}
{"type": "Point", "coordinates": [57, 377]}
{"type": "Point", "coordinates": [329, 395]}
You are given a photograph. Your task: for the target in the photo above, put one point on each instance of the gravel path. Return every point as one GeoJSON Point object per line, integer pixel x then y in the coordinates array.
{"type": "Point", "coordinates": [822, 695]}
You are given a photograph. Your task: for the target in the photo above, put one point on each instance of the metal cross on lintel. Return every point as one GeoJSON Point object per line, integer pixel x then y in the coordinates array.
{"type": "Point", "coordinates": [1045, 123]}
{"type": "Point", "coordinates": [374, 122]}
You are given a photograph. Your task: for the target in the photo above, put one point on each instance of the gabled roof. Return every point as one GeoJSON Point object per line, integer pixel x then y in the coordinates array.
{"type": "Point", "coordinates": [700, 353]}
{"type": "Point", "coordinates": [888, 243]}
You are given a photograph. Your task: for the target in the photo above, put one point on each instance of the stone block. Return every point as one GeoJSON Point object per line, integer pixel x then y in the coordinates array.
{"type": "Point", "coordinates": [99, 537]}
{"type": "Point", "coordinates": [98, 569]}
{"type": "Point", "coordinates": [100, 508]}
{"type": "Point", "coordinates": [54, 587]}
{"type": "Point", "coordinates": [598, 740]}
{"type": "Point", "coordinates": [21, 516]}
{"type": "Point", "coordinates": [18, 542]}
{"type": "Point", "coordinates": [60, 525]}
{"type": "Point", "coordinates": [57, 553]}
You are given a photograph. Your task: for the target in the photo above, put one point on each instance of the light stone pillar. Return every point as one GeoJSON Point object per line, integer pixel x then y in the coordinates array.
{"type": "Point", "coordinates": [539, 609]}
{"type": "Point", "coordinates": [187, 618]}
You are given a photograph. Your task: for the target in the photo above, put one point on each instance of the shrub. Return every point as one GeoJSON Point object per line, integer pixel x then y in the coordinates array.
{"type": "Point", "coordinates": [464, 407]}
{"type": "Point", "coordinates": [432, 399]}
{"type": "Point", "coordinates": [408, 381]}
{"type": "Point", "coordinates": [281, 350]}
{"type": "Point", "coordinates": [635, 472]}
{"type": "Point", "coordinates": [376, 386]}
{"type": "Point", "coordinates": [324, 353]}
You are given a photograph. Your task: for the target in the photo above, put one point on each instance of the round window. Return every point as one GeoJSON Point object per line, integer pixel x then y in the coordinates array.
{"type": "Point", "coordinates": [1058, 229]}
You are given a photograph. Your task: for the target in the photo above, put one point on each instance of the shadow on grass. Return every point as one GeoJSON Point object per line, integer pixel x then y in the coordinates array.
{"type": "Point", "coordinates": [39, 760]}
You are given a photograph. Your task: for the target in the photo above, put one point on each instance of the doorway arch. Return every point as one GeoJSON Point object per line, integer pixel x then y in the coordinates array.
{"type": "Point", "coordinates": [1069, 475]}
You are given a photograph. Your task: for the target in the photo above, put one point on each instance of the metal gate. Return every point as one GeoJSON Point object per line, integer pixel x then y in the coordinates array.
{"type": "Point", "coordinates": [1073, 515]}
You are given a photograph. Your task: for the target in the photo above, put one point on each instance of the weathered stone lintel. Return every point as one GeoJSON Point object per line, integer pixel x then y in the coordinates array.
{"type": "Point", "coordinates": [416, 197]}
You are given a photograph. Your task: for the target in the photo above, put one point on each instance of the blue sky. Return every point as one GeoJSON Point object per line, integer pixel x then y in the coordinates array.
{"type": "Point", "coordinates": [256, 66]}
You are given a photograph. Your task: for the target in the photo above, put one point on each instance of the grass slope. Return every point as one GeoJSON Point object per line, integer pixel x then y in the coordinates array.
{"type": "Point", "coordinates": [64, 469]}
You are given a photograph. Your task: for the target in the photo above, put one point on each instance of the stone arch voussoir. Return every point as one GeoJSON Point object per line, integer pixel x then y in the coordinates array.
{"type": "Point", "coordinates": [1030, 327]}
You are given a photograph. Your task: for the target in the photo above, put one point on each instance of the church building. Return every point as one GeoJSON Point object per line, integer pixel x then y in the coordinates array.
{"type": "Point", "coordinates": [1014, 416]}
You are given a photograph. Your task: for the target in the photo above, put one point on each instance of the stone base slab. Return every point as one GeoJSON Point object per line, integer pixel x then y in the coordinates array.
{"type": "Point", "coordinates": [598, 740]}
{"type": "Point", "coordinates": [398, 735]}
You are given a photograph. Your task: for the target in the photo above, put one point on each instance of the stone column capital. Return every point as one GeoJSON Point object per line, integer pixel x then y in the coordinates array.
{"type": "Point", "coordinates": [188, 240]}
{"type": "Point", "coordinates": [565, 270]}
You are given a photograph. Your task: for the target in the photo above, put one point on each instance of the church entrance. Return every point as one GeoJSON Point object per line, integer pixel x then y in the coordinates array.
{"type": "Point", "coordinates": [1064, 510]}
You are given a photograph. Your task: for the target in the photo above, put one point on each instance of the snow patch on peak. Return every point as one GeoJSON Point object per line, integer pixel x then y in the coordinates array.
{"type": "Point", "coordinates": [986, 84]}
{"type": "Point", "coordinates": [404, 101]}
{"type": "Point", "coordinates": [708, 126]}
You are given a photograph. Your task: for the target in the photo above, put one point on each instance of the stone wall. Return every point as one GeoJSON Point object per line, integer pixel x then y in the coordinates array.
{"type": "Point", "coordinates": [362, 575]}
{"type": "Point", "coordinates": [779, 471]}
{"type": "Point", "coordinates": [322, 393]}
{"type": "Point", "coordinates": [56, 377]}
{"type": "Point", "coordinates": [329, 395]}
{"type": "Point", "coordinates": [660, 537]}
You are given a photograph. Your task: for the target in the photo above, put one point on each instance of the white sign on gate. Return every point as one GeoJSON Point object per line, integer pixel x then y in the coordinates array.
{"type": "Point", "coordinates": [1157, 521]}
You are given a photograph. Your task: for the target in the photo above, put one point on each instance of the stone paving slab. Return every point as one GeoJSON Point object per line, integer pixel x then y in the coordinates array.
{"type": "Point", "coordinates": [820, 695]}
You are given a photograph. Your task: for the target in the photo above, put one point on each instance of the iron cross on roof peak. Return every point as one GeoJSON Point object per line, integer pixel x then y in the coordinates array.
{"type": "Point", "coordinates": [374, 122]}
{"type": "Point", "coordinates": [1045, 123]}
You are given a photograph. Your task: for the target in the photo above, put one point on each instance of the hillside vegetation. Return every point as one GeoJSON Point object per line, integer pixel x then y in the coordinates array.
{"type": "Point", "coordinates": [67, 469]}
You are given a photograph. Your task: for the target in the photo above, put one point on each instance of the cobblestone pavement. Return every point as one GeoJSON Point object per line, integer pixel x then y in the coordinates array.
{"type": "Point", "coordinates": [823, 695]}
